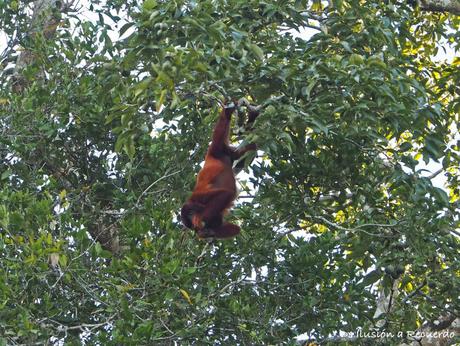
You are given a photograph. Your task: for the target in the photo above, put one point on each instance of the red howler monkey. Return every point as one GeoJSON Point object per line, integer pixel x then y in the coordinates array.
{"type": "Point", "coordinates": [215, 188]}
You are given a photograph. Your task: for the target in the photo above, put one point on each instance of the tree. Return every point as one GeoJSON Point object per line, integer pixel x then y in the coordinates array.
{"type": "Point", "coordinates": [343, 228]}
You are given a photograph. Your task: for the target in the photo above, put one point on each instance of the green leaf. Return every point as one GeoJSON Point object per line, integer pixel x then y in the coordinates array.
{"type": "Point", "coordinates": [125, 28]}
{"type": "Point", "coordinates": [319, 126]}
{"type": "Point", "coordinates": [6, 174]}
{"type": "Point", "coordinates": [372, 277]}
{"type": "Point", "coordinates": [161, 100]}
{"type": "Point", "coordinates": [257, 51]}
{"type": "Point", "coordinates": [149, 5]}
{"type": "Point", "coordinates": [142, 86]}
{"type": "Point", "coordinates": [63, 260]}
{"type": "Point", "coordinates": [307, 90]}
{"type": "Point", "coordinates": [406, 146]}
{"type": "Point", "coordinates": [130, 147]}
{"type": "Point", "coordinates": [346, 46]}
{"type": "Point", "coordinates": [441, 196]}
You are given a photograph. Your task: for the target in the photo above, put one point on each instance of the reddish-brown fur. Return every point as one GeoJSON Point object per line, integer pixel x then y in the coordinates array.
{"type": "Point", "coordinates": [215, 188]}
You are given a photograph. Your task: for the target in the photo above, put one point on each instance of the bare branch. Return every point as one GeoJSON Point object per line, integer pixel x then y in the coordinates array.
{"type": "Point", "coordinates": [435, 174]}
{"type": "Point", "coordinates": [451, 6]}
{"type": "Point", "coordinates": [153, 184]}
{"type": "Point", "coordinates": [355, 229]}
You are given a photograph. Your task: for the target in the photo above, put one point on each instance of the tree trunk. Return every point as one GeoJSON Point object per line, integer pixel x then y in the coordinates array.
{"type": "Point", "coordinates": [44, 21]}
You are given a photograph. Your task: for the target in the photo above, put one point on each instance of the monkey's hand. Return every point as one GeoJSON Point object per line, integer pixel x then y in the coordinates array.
{"type": "Point", "coordinates": [197, 222]}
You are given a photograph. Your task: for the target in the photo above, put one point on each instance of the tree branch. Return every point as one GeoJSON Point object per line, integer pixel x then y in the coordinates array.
{"type": "Point", "coordinates": [451, 6]}
{"type": "Point", "coordinates": [153, 184]}
{"type": "Point", "coordinates": [357, 228]}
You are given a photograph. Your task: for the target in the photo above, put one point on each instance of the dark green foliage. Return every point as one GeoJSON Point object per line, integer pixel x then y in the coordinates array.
{"type": "Point", "coordinates": [111, 136]}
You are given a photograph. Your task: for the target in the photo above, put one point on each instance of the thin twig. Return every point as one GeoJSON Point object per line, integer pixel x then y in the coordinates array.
{"type": "Point", "coordinates": [358, 228]}
{"type": "Point", "coordinates": [435, 174]}
{"type": "Point", "coordinates": [153, 184]}
{"type": "Point", "coordinates": [414, 292]}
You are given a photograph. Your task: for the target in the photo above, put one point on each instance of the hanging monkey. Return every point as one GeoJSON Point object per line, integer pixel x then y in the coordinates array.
{"type": "Point", "coordinates": [215, 188]}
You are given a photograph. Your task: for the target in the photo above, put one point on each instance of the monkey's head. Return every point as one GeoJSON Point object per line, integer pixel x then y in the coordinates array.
{"type": "Point", "coordinates": [188, 211]}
